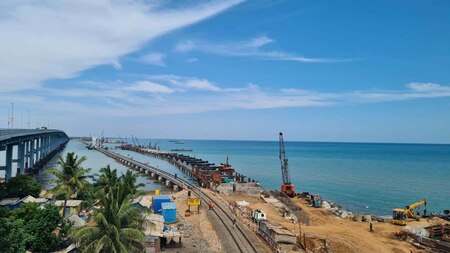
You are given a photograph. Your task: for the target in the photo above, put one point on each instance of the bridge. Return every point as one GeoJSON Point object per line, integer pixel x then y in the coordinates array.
{"type": "Point", "coordinates": [29, 149]}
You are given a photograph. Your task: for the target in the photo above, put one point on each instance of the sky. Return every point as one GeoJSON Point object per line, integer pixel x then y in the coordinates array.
{"type": "Point", "coordinates": [354, 71]}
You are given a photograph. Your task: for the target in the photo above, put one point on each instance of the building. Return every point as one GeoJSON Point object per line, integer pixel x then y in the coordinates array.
{"type": "Point", "coordinates": [73, 206]}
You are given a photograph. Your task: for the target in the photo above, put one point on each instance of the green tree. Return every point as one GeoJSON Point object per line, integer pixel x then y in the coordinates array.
{"type": "Point", "coordinates": [41, 229]}
{"type": "Point", "coordinates": [119, 225]}
{"type": "Point", "coordinates": [3, 192]}
{"type": "Point", "coordinates": [70, 178]}
{"type": "Point", "coordinates": [107, 179]}
{"type": "Point", "coordinates": [12, 235]}
{"type": "Point", "coordinates": [21, 186]}
{"type": "Point", "coordinates": [26, 211]}
{"type": "Point", "coordinates": [129, 179]}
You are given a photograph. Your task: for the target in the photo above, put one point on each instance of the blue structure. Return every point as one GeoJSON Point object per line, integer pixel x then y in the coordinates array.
{"type": "Point", "coordinates": [34, 148]}
{"type": "Point", "coordinates": [158, 201]}
{"type": "Point", "coordinates": [169, 212]}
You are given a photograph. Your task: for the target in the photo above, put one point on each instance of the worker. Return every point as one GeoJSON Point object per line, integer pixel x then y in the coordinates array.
{"type": "Point", "coordinates": [176, 176]}
{"type": "Point", "coordinates": [371, 227]}
{"type": "Point", "coordinates": [234, 222]}
{"type": "Point", "coordinates": [211, 205]}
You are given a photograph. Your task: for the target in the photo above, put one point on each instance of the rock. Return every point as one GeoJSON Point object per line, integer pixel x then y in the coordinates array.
{"type": "Point", "coordinates": [333, 209]}
{"type": "Point", "coordinates": [344, 215]}
{"type": "Point", "coordinates": [357, 217]}
{"type": "Point", "coordinates": [326, 205]}
{"type": "Point", "coordinates": [385, 218]}
{"type": "Point", "coordinates": [367, 217]}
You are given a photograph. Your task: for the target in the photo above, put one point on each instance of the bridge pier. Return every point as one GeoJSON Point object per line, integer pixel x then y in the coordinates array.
{"type": "Point", "coordinates": [8, 162]}
{"type": "Point", "coordinates": [34, 147]}
{"type": "Point", "coordinates": [160, 178]}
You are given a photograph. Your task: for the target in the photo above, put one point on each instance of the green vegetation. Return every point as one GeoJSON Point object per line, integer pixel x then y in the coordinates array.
{"type": "Point", "coordinates": [13, 235]}
{"type": "Point", "coordinates": [70, 178]}
{"type": "Point", "coordinates": [19, 187]}
{"type": "Point", "coordinates": [119, 225]}
{"type": "Point", "coordinates": [30, 228]}
{"type": "Point", "coordinates": [107, 179]}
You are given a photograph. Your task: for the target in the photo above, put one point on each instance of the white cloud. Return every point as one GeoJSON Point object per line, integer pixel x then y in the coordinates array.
{"type": "Point", "coordinates": [187, 83]}
{"type": "Point", "coordinates": [59, 39]}
{"type": "Point", "coordinates": [150, 87]}
{"type": "Point", "coordinates": [153, 59]}
{"type": "Point", "coordinates": [172, 94]}
{"type": "Point", "coordinates": [192, 60]}
{"type": "Point", "coordinates": [248, 48]}
{"type": "Point", "coordinates": [428, 87]}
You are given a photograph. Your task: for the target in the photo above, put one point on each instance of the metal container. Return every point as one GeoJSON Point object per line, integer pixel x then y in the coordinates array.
{"type": "Point", "coordinates": [158, 200]}
{"type": "Point", "coordinates": [169, 212]}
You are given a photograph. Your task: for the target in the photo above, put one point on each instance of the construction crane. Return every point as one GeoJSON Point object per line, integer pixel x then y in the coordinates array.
{"type": "Point", "coordinates": [287, 187]}
{"type": "Point", "coordinates": [401, 216]}
{"type": "Point", "coordinates": [137, 141]}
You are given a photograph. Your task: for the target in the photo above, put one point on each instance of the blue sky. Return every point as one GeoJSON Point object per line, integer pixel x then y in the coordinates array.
{"type": "Point", "coordinates": [231, 69]}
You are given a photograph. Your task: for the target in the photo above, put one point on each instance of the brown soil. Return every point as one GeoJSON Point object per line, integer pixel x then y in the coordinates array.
{"type": "Point", "coordinates": [328, 233]}
{"type": "Point", "coordinates": [199, 234]}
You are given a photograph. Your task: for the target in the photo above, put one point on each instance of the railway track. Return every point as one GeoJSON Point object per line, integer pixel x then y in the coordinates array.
{"type": "Point", "coordinates": [241, 235]}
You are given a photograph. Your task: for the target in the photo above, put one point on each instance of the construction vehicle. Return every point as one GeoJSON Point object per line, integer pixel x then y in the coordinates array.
{"type": "Point", "coordinates": [316, 201]}
{"type": "Point", "coordinates": [401, 216]}
{"type": "Point", "coordinates": [287, 187]}
{"type": "Point", "coordinates": [258, 215]}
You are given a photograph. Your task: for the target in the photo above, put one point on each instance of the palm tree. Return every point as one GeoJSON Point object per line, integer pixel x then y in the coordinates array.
{"type": "Point", "coordinates": [119, 225]}
{"type": "Point", "coordinates": [70, 178]}
{"type": "Point", "coordinates": [107, 179]}
{"type": "Point", "coordinates": [129, 179]}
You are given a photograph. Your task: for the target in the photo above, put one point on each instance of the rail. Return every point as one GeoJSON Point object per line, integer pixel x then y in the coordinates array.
{"type": "Point", "coordinates": [243, 242]}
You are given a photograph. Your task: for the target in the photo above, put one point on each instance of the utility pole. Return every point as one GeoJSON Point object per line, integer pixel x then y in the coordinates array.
{"type": "Point", "coordinates": [29, 120]}
{"type": "Point", "coordinates": [11, 117]}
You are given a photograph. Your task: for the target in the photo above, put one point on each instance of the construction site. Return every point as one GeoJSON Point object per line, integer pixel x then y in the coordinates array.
{"type": "Point", "coordinates": [285, 220]}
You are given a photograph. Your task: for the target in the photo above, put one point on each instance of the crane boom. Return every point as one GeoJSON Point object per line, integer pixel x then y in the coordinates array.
{"type": "Point", "coordinates": [284, 162]}
{"type": "Point", "coordinates": [287, 187]}
{"type": "Point", "coordinates": [401, 216]}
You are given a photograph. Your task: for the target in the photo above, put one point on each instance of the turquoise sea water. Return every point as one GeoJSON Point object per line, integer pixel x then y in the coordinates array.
{"type": "Point", "coordinates": [362, 177]}
{"type": "Point", "coordinates": [95, 161]}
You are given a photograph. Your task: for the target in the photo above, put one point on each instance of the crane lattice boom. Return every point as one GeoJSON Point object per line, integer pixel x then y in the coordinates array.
{"type": "Point", "coordinates": [284, 162]}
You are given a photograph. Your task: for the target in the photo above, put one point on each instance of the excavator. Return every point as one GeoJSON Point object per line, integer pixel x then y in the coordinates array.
{"type": "Point", "coordinates": [287, 187]}
{"type": "Point", "coordinates": [401, 216]}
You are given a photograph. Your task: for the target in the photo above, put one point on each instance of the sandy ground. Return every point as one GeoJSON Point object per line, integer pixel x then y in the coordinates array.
{"type": "Point", "coordinates": [341, 235]}
{"type": "Point", "coordinates": [199, 233]}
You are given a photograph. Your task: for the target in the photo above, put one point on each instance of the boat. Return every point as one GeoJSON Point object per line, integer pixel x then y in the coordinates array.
{"type": "Point", "coordinates": [176, 141]}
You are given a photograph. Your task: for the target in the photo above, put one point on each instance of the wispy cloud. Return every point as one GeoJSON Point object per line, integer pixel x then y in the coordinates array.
{"type": "Point", "coordinates": [172, 94]}
{"type": "Point", "coordinates": [153, 59]}
{"type": "Point", "coordinates": [192, 60]}
{"type": "Point", "coordinates": [149, 87]}
{"type": "Point", "coordinates": [59, 39]}
{"type": "Point", "coordinates": [249, 48]}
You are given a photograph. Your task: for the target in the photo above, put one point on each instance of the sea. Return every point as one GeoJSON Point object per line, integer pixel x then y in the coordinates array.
{"type": "Point", "coordinates": [361, 177]}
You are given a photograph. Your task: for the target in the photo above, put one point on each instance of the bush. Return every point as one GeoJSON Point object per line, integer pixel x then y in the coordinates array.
{"type": "Point", "coordinates": [12, 235]}
{"type": "Point", "coordinates": [41, 227]}
{"type": "Point", "coordinates": [22, 186]}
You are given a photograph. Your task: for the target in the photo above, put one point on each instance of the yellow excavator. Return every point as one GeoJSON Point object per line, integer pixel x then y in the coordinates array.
{"type": "Point", "coordinates": [402, 216]}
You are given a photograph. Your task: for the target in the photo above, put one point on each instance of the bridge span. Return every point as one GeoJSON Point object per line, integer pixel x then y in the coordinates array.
{"type": "Point", "coordinates": [29, 149]}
